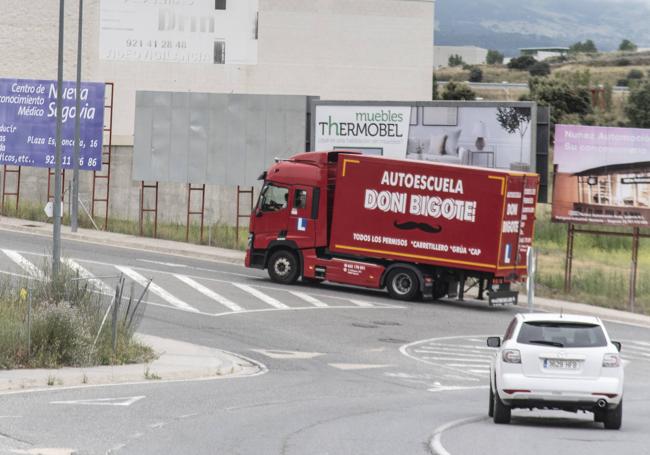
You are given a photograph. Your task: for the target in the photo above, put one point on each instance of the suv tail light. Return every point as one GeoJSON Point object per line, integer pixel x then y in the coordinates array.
{"type": "Point", "coordinates": [511, 356]}
{"type": "Point", "coordinates": [611, 361]}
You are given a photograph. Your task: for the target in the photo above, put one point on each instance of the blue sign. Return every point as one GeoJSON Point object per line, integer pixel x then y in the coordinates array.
{"type": "Point", "coordinates": [28, 123]}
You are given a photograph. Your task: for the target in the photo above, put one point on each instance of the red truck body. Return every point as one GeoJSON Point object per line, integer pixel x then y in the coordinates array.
{"type": "Point", "coordinates": [374, 222]}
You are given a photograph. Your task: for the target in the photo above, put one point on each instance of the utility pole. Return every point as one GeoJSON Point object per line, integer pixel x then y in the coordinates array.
{"type": "Point", "coordinates": [56, 235]}
{"type": "Point", "coordinates": [74, 212]}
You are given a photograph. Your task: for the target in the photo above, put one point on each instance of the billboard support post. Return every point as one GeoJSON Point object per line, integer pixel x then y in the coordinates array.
{"type": "Point", "coordinates": [568, 260]}
{"type": "Point", "coordinates": [634, 267]}
{"type": "Point", "coordinates": [56, 231]}
{"type": "Point", "coordinates": [74, 212]}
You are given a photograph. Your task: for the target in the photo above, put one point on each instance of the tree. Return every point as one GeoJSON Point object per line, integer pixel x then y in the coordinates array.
{"type": "Point", "coordinates": [627, 46]}
{"type": "Point", "coordinates": [455, 60]}
{"type": "Point", "coordinates": [494, 57]}
{"type": "Point", "coordinates": [638, 106]}
{"type": "Point", "coordinates": [522, 63]}
{"type": "Point", "coordinates": [587, 47]}
{"type": "Point", "coordinates": [458, 91]}
{"type": "Point", "coordinates": [563, 98]}
{"type": "Point", "coordinates": [515, 120]}
{"type": "Point", "coordinates": [635, 74]}
{"type": "Point", "coordinates": [475, 74]}
{"type": "Point", "coordinates": [540, 69]}
{"type": "Point", "coordinates": [434, 88]}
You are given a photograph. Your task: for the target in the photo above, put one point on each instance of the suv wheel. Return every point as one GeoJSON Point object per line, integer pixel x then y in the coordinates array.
{"type": "Point", "coordinates": [283, 267]}
{"type": "Point", "coordinates": [613, 418]}
{"type": "Point", "coordinates": [501, 410]}
{"type": "Point", "coordinates": [491, 402]}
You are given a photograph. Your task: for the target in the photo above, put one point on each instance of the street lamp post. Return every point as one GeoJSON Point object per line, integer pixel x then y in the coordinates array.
{"type": "Point", "coordinates": [56, 235]}
{"type": "Point", "coordinates": [74, 209]}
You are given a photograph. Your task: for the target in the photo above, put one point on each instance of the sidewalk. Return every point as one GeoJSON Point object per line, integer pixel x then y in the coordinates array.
{"type": "Point", "coordinates": [177, 361]}
{"type": "Point", "coordinates": [127, 241]}
{"type": "Point", "coordinates": [606, 314]}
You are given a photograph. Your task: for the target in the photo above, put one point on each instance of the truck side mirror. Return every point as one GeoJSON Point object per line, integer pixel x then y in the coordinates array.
{"type": "Point", "coordinates": [494, 342]}
{"type": "Point", "coordinates": [617, 344]}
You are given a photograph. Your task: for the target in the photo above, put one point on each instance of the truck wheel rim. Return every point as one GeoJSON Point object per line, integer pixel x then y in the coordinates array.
{"type": "Point", "coordinates": [282, 266]}
{"type": "Point", "coordinates": [402, 284]}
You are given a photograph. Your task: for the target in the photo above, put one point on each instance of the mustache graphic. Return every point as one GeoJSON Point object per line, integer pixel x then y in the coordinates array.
{"type": "Point", "coordinates": [410, 225]}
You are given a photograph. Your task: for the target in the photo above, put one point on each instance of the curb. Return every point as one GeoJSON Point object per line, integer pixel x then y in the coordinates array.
{"type": "Point", "coordinates": [178, 362]}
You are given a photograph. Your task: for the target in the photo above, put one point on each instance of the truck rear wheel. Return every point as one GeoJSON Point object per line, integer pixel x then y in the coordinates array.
{"type": "Point", "coordinates": [283, 267]}
{"type": "Point", "coordinates": [403, 284]}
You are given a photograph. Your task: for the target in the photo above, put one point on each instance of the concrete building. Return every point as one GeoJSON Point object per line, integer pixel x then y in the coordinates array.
{"type": "Point", "coordinates": [334, 49]}
{"type": "Point", "coordinates": [471, 55]}
{"type": "Point", "coordinates": [542, 53]}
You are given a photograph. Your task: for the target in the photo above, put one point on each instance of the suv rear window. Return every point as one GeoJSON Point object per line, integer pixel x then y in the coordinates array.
{"type": "Point", "coordinates": [562, 334]}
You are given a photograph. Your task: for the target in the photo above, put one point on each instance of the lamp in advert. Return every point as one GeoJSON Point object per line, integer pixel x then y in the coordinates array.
{"type": "Point", "coordinates": [481, 133]}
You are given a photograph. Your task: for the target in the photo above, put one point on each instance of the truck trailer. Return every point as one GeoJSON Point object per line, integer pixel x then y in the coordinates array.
{"type": "Point", "coordinates": [418, 229]}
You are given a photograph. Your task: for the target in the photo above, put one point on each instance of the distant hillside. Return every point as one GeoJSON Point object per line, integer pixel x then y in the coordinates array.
{"type": "Point", "coordinates": [508, 25]}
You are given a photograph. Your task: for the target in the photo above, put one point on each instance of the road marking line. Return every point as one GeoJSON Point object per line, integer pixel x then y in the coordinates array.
{"type": "Point", "coordinates": [154, 288]}
{"type": "Point", "coordinates": [260, 295]}
{"type": "Point", "coordinates": [83, 273]}
{"type": "Point", "coordinates": [480, 371]}
{"type": "Point", "coordinates": [309, 299]}
{"type": "Point", "coordinates": [357, 366]}
{"type": "Point", "coordinates": [480, 355]}
{"type": "Point", "coordinates": [448, 388]}
{"type": "Point", "coordinates": [25, 264]}
{"type": "Point", "coordinates": [436, 445]}
{"type": "Point", "coordinates": [282, 354]}
{"type": "Point", "coordinates": [122, 401]}
{"type": "Point", "coordinates": [209, 293]}
{"type": "Point", "coordinates": [452, 359]}
{"type": "Point", "coordinates": [362, 303]}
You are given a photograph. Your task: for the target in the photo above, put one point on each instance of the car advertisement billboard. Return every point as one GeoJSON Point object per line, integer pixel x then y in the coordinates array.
{"type": "Point", "coordinates": [28, 123]}
{"type": "Point", "coordinates": [485, 134]}
{"type": "Point", "coordinates": [183, 31]}
{"type": "Point", "coordinates": [602, 175]}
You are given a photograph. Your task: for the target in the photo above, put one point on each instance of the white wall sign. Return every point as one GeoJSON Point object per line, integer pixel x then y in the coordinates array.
{"type": "Point", "coordinates": [377, 130]}
{"type": "Point", "coordinates": [179, 31]}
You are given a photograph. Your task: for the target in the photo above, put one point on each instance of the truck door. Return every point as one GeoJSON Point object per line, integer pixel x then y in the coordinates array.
{"type": "Point", "coordinates": [303, 214]}
{"type": "Point", "coordinates": [271, 215]}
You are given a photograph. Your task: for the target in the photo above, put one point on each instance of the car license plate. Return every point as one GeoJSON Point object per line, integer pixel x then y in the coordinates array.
{"type": "Point", "coordinates": [560, 364]}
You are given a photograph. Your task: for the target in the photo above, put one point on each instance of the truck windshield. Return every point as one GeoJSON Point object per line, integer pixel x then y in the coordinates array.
{"type": "Point", "coordinates": [273, 198]}
{"type": "Point", "coordinates": [562, 335]}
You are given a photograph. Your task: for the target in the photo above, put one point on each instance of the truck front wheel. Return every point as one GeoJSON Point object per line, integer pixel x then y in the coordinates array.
{"type": "Point", "coordinates": [403, 284]}
{"type": "Point", "coordinates": [283, 267]}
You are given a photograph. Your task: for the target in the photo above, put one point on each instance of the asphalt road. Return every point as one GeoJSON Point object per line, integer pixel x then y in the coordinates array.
{"type": "Point", "coordinates": [349, 372]}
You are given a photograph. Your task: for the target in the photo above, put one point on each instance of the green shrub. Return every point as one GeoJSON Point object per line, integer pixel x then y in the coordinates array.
{"type": "Point", "coordinates": [540, 69]}
{"type": "Point", "coordinates": [522, 63]}
{"type": "Point", "coordinates": [475, 74]}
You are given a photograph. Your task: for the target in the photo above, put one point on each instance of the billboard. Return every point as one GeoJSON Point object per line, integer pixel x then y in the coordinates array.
{"type": "Point", "coordinates": [28, 123]}
{"type": "Point", "coordinates": [214, 138]}
{"type": "Point", "coordinates": [602, 175]}
{"type": "Point", "coordinates": [496, 135]}
{"type": "Point", "coordinates": [182, 31]}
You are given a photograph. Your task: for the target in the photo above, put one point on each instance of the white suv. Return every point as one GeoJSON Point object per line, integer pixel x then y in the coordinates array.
{"type": "Point", "coordinates": [555, 361]}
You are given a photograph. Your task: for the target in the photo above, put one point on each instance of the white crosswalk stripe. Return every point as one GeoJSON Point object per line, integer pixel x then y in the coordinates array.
{"type": "Point", "coordinates": [25, 264]}
{"type": "Point", "coordinates": [155, 289]}
{"type": "Point", "coordinates": [209, 293]}
{"type": "Point", "coordinates": [83, 273]}
{"type": "Point", "coordinates": [263, 297]}
{"type": "Point", "coordinates": [309, 299]}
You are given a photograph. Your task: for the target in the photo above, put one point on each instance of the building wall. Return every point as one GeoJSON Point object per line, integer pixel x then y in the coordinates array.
{"type": "Point", "coordinates": [471, 55]}
{"type": "Point", "coordinates": [335, 49]}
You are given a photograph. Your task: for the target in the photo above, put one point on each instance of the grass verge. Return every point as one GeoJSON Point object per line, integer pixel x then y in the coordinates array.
{"type": "Point", "coordinates": [219, 234]}
{"type": "Point", "coordinates": [601, 266]}
{"type": "Point", "coordinates": [59, 323]}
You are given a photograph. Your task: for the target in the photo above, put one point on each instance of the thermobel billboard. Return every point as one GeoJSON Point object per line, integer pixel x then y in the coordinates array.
{"type": "Point", "coordinates": [602, 175]}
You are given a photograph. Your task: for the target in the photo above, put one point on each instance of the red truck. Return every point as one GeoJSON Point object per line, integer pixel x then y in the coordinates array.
{"type": "Point", "coordinates": [416, 228]}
